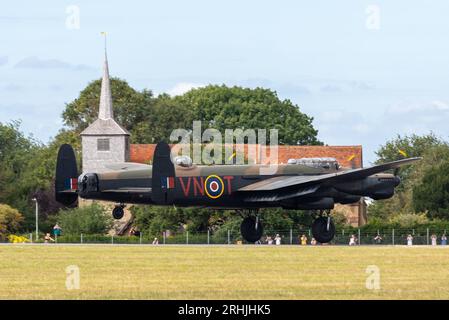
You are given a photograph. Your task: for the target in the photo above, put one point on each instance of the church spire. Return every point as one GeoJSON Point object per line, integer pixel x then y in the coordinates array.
{"type": "Point", "coordinates": [105, 110]}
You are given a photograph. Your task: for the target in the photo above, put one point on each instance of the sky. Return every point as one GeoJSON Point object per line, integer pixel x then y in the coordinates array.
{"type": "Point", "coordinates": [364, 70]}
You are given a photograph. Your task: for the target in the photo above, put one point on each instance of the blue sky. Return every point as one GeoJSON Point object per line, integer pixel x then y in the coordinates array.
{"type": "Point", "coordinates": [365, 70]}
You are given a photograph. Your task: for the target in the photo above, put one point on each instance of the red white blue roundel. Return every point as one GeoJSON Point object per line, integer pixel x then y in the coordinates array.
{"type": "Point", "coordinates": [214, 186]}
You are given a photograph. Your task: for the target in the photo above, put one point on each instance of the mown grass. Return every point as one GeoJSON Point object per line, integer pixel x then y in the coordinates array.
{"type": "Point", "coordinates": [222, 272]}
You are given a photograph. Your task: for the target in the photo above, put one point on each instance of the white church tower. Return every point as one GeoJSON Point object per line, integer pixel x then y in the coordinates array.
{"type": "Point", "coordinates": [104, 141]}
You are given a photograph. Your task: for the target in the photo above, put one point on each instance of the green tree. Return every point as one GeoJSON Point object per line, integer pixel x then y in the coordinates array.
{"type": "Point", "coordinates": [432, 194]}
{"type": "Point", "coordinates": [223, 107]}
{"type": "Point", "coordinates": [27, 169]}
{"type": "Point", "coordinates": [130, 106]}
{"type": "Point", "coordinates": [92, 219]}
{"type": "Point", "coordinates": [412, 146]}
{"type": "Point", "coordinates": [433, 152]}
{"type": "Point", "coordinates": [10, 220]}
{"type": "Point", "coordinates": [17, 153]}
{"type": "Point", "coordinates": [156, 219]}
{"type": "Point", "coordinates": [165, 115]}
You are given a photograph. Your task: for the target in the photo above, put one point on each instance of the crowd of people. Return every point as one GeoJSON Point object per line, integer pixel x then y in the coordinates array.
{"type": "Point", "coordinates": [353, 240]}
{"type": "Point", "coordinates": [433, 240]}
{"type": "Point", "coordinates": [277, 240]}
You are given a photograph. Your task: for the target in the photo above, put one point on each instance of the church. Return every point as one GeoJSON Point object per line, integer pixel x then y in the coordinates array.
{"type": "Point", "coordinates": [106, 142]}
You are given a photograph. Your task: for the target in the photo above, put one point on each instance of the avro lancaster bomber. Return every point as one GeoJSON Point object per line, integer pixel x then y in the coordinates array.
{"type": "Point", "coordinates": [305, 184]}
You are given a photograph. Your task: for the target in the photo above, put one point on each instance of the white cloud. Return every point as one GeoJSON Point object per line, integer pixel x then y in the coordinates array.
{"type": "Point", "coordinates": [3, 60]}
{"type": "Point", "coordinates": [183, 87]}
{"type": "Point", "coordinates": [435, 106]}
{"type": "Point", "coordinates": [440, 105]}
{"type": "Point", "coordinates": [330, 88]}
{"type": "Point", "coordinates": [38, 63]}
{"type": "Point", "coordinates": [332, 116]}
{"type": "Point", "coordinates": [361, 128]}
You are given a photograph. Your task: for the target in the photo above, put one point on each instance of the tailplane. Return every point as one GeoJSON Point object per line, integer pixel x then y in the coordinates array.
{"type": "Point", "coordinates": [66, 182]}
{"type": "Point", "coordinates": [163, 175]}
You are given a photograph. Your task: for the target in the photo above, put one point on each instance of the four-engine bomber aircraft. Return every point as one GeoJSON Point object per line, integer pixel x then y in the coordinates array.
{"type": "Point", "coordinates": [307, 184]}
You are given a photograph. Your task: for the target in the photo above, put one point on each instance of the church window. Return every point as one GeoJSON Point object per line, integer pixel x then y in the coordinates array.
{"type": "Point", "coordinates": [103, 144]}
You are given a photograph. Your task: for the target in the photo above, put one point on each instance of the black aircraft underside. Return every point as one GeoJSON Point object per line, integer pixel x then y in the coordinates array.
{"type": "Point", "coordinates": [217, 187]}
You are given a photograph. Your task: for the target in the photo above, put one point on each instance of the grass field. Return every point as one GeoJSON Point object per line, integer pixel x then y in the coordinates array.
{"type": "Point", "coordinates": [222, 272]}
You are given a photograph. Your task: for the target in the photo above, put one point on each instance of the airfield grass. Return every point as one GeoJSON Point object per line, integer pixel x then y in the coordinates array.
{"type": "Point", "coordinates": [223, 272]}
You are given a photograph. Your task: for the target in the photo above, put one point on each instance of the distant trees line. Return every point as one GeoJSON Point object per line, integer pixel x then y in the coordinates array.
{"type": "Point", "coordinates": [27, 165]}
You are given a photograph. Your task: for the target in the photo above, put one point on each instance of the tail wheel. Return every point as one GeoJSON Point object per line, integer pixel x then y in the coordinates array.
{"type": "Point", "coordinates": [251, 229]}
{"type": "Point", "coordinates": [323, 229]}
{"type": "Point", "coordinates": [118, 213]}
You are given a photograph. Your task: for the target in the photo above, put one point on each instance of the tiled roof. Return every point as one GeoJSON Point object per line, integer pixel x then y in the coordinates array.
{"type": "Point", "coordinates": [106, 127]}
{"type": "Point", "coordinates": [347, 156]}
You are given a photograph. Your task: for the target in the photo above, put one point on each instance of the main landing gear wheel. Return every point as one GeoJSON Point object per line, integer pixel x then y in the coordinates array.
{"type": "Point", "coordinates": [118, 212]}
{"type": "Point", "coordinates": [323, 229]}
{"type": "Point", "coordinates": [251, 229]}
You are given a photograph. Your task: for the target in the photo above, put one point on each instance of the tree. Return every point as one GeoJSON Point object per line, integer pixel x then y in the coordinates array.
{"type": "Point", "coordinates": [156, 219]}
{"type": "Point", "coordinates": [17, 153]}
{"type": "Point", "coordinates": [432, 194]}
{"type": "Point", "coordinates": [407, 146]}
{"type": "Point", "coordinates": [130, 106]}
{"type": "Point", "coordinates": [165, 115]}
{"type": "Point", "coordinates": [433, 151]}
{"type": "Point", "coordinates": [10, 220]}
{"type": "Point", "coordinates": [92, 219]}
{"type": "Point", "coordinates": [223, 107]}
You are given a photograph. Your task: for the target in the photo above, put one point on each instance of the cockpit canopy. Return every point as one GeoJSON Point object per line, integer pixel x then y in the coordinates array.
{"type": "Point", "coordinates": [325, 162]}
{"type": "Point", "coordinates": [183, 161]}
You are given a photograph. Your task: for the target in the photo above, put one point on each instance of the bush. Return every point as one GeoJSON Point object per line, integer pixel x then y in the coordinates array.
{"type": "Point", "coordinates": [12, 238]}
{"type": "Point", "coordinates": [92, 219]}
{"type": "Point", "coordinates": [10, 220]}
{"type": "Point", "coordinates": [409, 220]}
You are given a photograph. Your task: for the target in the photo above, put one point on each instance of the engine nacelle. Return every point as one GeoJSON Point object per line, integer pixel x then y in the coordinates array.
{"type": "Point", "coordinates": [378, 186]}
{"type": "Point", "coordinates": [348, 199]}
{"type": "Point", "coordinates": [312, 204]}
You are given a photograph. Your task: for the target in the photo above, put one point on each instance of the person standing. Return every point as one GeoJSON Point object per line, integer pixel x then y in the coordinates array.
{"type": "Point", "coordinates": [269, 240]}
{"type": "Point", "coordinates": [409, 240]}
{"type": "Point", "coordinates": [278, 240]}
{"type": "Point", "coordinates": [303, 240]}
{"type": "Point", "coordinates": [352, 240]}
{"type": "Point", "coordinates": [433, 239]}
{"type": "Point", "coordinates": [57, 230]}
{"type": "Point", "coordinates": [443, 240]}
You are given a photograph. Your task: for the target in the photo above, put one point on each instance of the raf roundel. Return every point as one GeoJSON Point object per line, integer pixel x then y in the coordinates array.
{"type": "Point", "coordinates": [214, 186]}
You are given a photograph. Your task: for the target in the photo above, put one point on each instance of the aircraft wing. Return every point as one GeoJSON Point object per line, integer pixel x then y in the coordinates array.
{"type": "Point", "coordinates": [283, 187]}
{"type": "Point", "coordinates": [127, 166]}
{"type": "Point", "coordinates": [136, 190]}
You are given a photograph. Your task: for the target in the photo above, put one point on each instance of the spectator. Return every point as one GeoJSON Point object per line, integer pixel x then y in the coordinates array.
{"type": "Point", "coordinates": [155, 241]}
{"type": "Point", "coordinates": [269, 240]}
{"type": "Point", "coordinates": [378, 239]}
{"type": "Point", "coordinates": [57, 230]}
{"type": "Point", "coordinates": [313, 242]}
{"type": "Point", "coordinates": [443, 240]}
{"type": "Point", "coordinates": [352, 240]}
{"type": "Point", "coordinates": [433, 239]}
{"type": "Point", "coordinates": [303, 240]}
{"type": "Point", "coordinates": [409, 240]}
{"type": "Point", "coordinates": [278, 239]}
{"type": "Point", "coordinates": [48, 238]}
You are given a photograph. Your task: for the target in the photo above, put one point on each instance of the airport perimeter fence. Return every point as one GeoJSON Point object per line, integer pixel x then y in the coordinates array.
{"type": "Point", "coordinates": [289, 237]}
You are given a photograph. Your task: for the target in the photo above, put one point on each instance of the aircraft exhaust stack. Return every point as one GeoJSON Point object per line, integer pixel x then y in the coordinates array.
{"type": "Point", "coordinates": [66, 182]}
